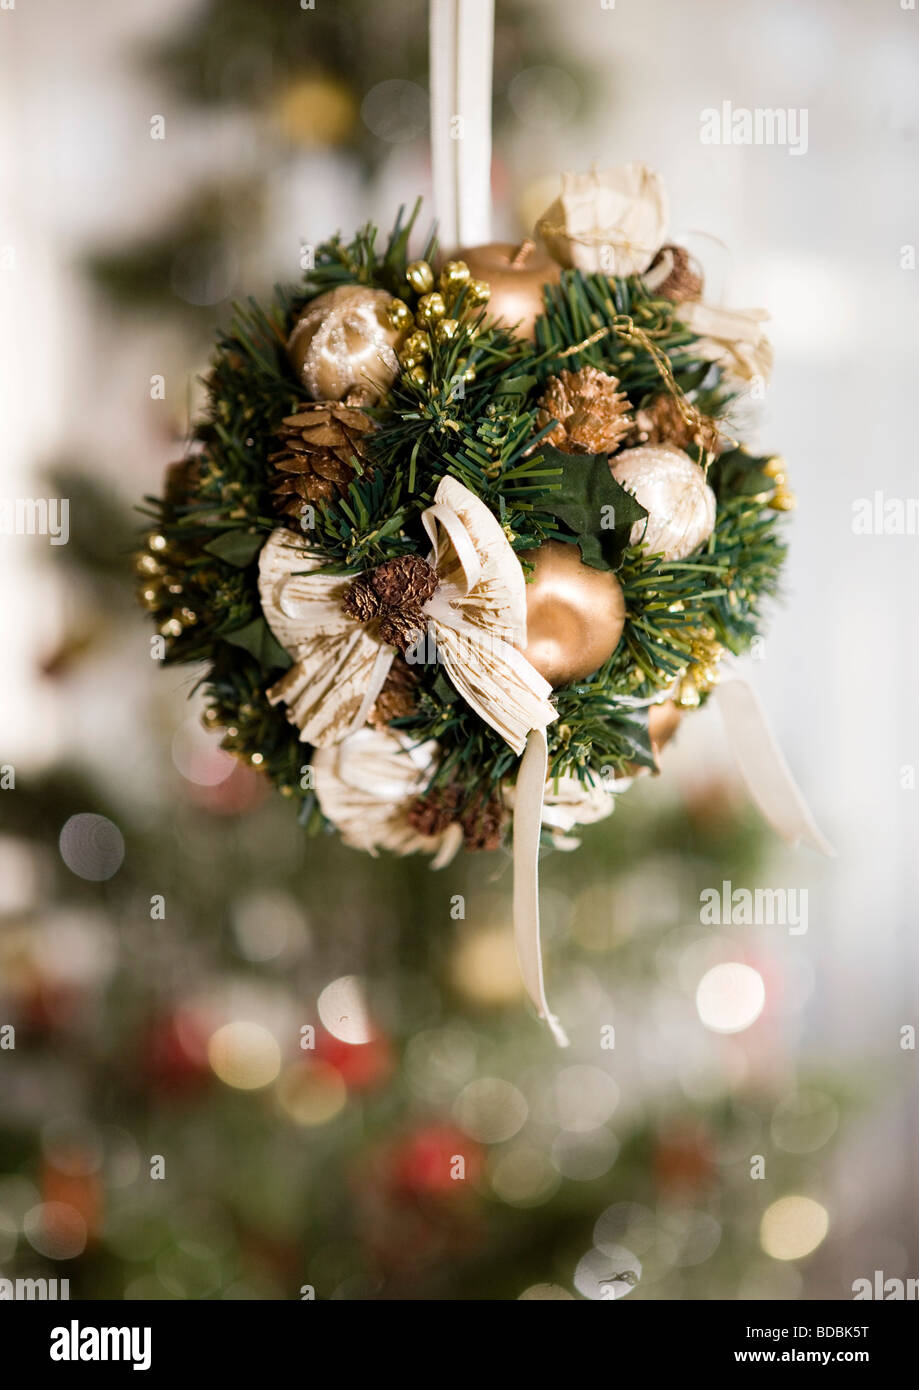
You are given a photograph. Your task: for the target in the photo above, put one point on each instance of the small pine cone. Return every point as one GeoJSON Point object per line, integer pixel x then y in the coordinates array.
{"type": "Point", "coordinates": [315, 461]}
{"type": "Point", "coordinates": [408, 579]}
{"type": "Point", "coordinates": [681, 282]}
{"type": "Point", "coordinates": [181, 481]}
{"type": "Point", "coordinates": [483, 821]}
{"type": "Point", "coordinates": [432, 813]}
{"type": "Point", "coordinates": [402, 627]}
{"type": "Point", "coordinates": [662, 422]}
{"type": "Point", "coordinates": [399, 695]}
{"type": "Point", "coordinates": [592, 413]}
{"type": "Point", "coordinates": [360, 602]}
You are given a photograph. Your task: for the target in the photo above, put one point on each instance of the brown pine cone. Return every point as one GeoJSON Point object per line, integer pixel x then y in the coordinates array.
{"type": "Point", "coordinates": [592, 413]}
{"type": "Point", "coordinates": [483, 821]}
{"type": "Point", "coordinates": [661, 422]}
{"type": "Point", "coordinates": [398, 697]}
{"type": "Point", "coordinates": [315, 461]}
{"type": "Point", "coordinates": [432, 813]}
{"type": "Point", "coordinates": [682, 282]}
{"type": "Point", "coordinates": [408, 579]}
{"type": "Point", "coordinates": [402, 627]}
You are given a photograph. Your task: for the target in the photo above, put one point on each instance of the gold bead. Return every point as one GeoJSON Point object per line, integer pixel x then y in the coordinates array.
{"type": "Point", "coordinates": [417, 345]}
{"type": "Point", "coordinates": [469, 373]}
{"type": "Point", "coordinates": [784, 500]}
{"type": "Point", "coordinates": [431, 307]}
{"type": "Point", "coordinates": [157, 542]}
{"type": "Point", "coordinates": [445, 330]}
{"type": "Point", "coordinates": [420, 276]}
{"type": "Point", "coordinates": [688, 697]}
{"type": "Point", "coordinates": [479, 291]}
{"type": "Point", "coordinates": [408, 360]}
{"type": "Point", "coordinates": [775, 467]}
{"type": "Point", "coordinates": [454, 275]}
{"type": "Point", "coordinates": [399, 314]}
{"type": "Point", "coordinates": [418, 374]}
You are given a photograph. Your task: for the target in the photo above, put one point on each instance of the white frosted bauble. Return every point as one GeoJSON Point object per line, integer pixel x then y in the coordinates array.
{"type": "Point", "coordinates": [672, 489]}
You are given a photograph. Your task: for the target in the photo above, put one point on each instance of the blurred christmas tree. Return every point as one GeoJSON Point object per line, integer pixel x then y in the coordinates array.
{"type": "Point", "coordinates": [237, 1063]}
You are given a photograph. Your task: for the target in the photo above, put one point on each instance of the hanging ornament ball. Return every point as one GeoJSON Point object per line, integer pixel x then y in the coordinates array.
{"type": "Point", "coordinates": [516, 275]}
{"type": "Point", "coordinates": [663, 722]}
{"type": "Point", "coordinates": [346, 342]}
{"type": "Point", "coordinates": [575, 614]}
{"type": "Point", "coordinates": [672, 489]}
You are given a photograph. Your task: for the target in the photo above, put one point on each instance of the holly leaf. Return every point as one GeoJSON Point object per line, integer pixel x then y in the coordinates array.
{"type": "Point", "coordinates": [259, 641]}
{"type": "Point", "coordinates": [737, 473]}
{"type": "Point", "coordinates": [592, 505]}
{"type": "Point", "coordinates": [236, 547]}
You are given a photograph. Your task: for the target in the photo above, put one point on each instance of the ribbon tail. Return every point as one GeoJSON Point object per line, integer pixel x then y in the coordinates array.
{"type": "Point", "coordinates": [763, 767]}
{"type": "Point", "coordinates": [528, 799]}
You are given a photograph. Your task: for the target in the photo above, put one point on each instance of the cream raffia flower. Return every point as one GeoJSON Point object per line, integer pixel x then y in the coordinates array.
{"type": "Point", "coordinates": [476, 617]}
{"type": "Point", "coordinates": [365, 785]}
{"type": "Point", "coordinates": [608, 220]}
{"type": "Point", "coordinates": [734, 338]}
{"type": "Point", "coordinates": [569, 802]}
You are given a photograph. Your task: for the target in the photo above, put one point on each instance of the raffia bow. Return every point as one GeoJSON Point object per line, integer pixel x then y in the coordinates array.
{"type": "Point", "coordinates": [476, 617]}
{"type": "Point", "coordinates": [477, 620]}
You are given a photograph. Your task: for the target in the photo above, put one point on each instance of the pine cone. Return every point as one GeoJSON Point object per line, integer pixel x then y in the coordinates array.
{"type": "Point", "coordinates": [682, 282]}
{"type": "Point", "coordinates": [661, 422]}
{"type": "Point", "coordinates": [592, 414]}
{"type": "Point", "coordinates": [432, 813]}
{"type": "Point", "coordinates": [398, 698]}
{"type": "Point", "coordinates": [402, 627]}
{"type": "Point", "coordinates": [482, 818]}
{"type": "Point", "coordinates": [483, 823]}
{"type": "Point", "coordinates": [315, 462]}
{"type": "Point", "coordinates": [408, 579]}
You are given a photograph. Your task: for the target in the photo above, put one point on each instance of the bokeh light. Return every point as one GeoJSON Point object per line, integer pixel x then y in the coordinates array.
{"type": "Point", "coordinates": [490, 1110]}
{"type": "Point", "coordinates": [793, 1227]}
{"type": "Point", "coordinates": [312, 1093]}
{"type": "Point", "coordinates": [342, 1008]}
{"type": "Point", "coordinates": [92, 846]}
{"type": "Point", "coordinates": [730, 997]}
{"type": "Point", "coordinates": [244, 1055]}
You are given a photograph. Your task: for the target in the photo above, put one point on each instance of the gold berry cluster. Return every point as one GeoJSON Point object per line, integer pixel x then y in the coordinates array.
{"type": "Point", "coordinates": [436, 313]}
{"type": "Point", "coordinates": [782, 499]}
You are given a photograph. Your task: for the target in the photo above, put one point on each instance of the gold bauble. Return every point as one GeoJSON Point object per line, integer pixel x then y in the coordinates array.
{"type": "Point", "coordinates": [345, 343]}
{"type": "Point", "coordinates": [575, 614]}
{"type": "Point", "coordinates": [663, 722]}
{"type": "Point", "coordinates": [516, 275]}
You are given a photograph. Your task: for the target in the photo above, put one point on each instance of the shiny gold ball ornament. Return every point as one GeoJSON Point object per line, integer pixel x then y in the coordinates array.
{"type": "Point", "coordinates": [672, 488]}
{"type": "Point", "coordinates": [514, 276]}
{"type": "Point", "coordinates": [575, 614]}
{"type": "Point", "coordinates": [345, 342]}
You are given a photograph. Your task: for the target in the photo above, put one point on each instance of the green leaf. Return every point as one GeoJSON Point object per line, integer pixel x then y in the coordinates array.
{"type": "Point", "coordinates": [592, 505]}
{"type": "Point", "coordinates": [236, 547]}
{"type": "Point", "coordinates": [258, 639]}
{"type": "Point", "coordinates": [739, 473]}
